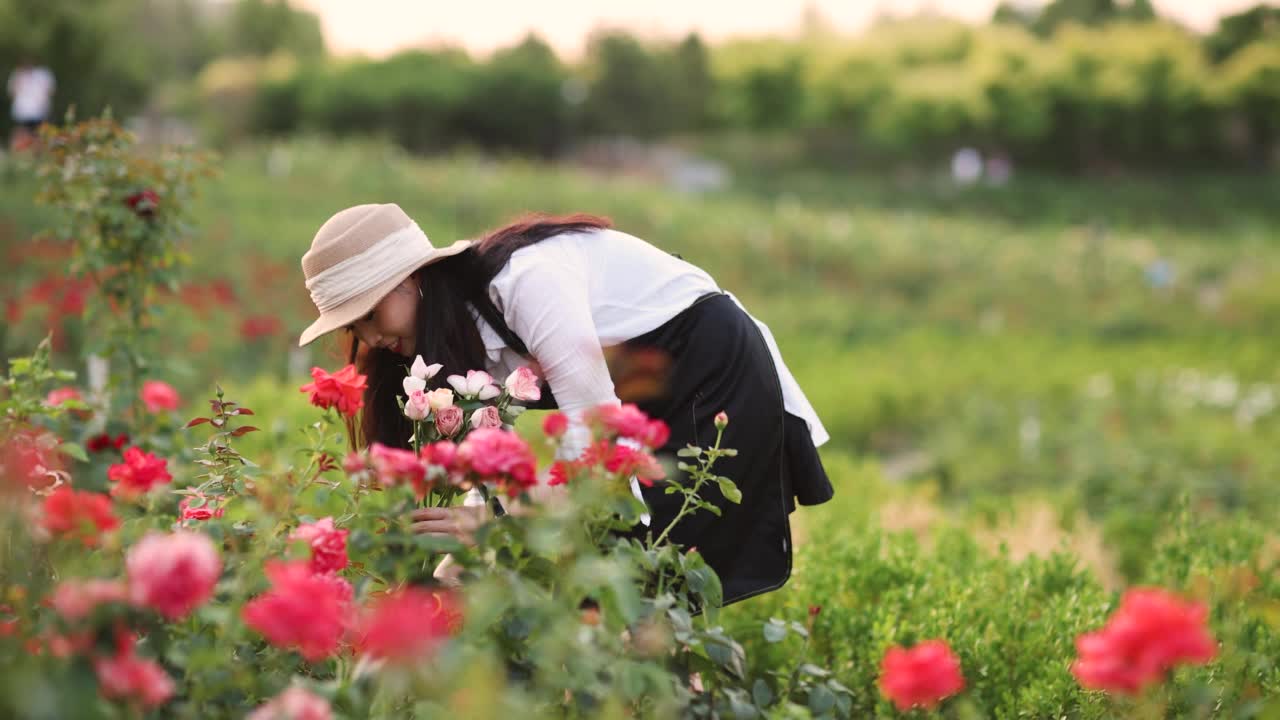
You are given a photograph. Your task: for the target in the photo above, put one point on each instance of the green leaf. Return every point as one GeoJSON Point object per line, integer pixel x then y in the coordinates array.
{"type": "Point", "coordinates": [775, 630]}
{"type": "Point", "coordinates": [761, 693]}
{"type": "Point", "coordinates": [821, 700]}
{"type": "Point", "coordinates": [73, 450]}
{"type": "Point", "coordinates": [814, 671]}
{"type": "Point", "coordinates": [730, 490]}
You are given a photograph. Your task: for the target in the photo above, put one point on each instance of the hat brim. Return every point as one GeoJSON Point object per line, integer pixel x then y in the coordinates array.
{"type": "Point", "coordinates": [359, 306]}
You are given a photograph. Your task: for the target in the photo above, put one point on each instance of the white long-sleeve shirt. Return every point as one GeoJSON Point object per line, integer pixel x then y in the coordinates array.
{"type": "Point", "coordinates": [572, 295]}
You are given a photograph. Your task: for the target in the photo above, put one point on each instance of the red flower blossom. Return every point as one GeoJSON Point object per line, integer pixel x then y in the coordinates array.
{"type": "Point", "coordinates": [129, 677]}
{"type": "Point", "coordinates": [303, 610]}
{"type": "Point", "coordinates": [172, 573]}
{"type": "Point", "coordinates": [102, 442]}
{"type": "Point", "coordinates": [1151, 632]}
{"type": "Point", "coordinates": [75, 599]}
{"type": "Point", "coordinates": [257, 327]}
{"type": "Point", "coordinates": [555, 424]}
{"type": "Point", "coordinates": [343, 390]}
{"type": "Point", "coordinates": [922, 675]}
{"type": "Point", "coordinates": [83, 515]}
{"type": "Point", "coordinates": [630, 462]}
{"type": "Point", "coordinates": [139, 472]}
{"type": "Point", "coordinates": [407, 625]}
{"type": "Point", "coordinates": [143, 203]}
{"type": "Point", "coordinates": [498, 456]}
{"type": "Point", "coordinates": [158, 396]}
{"type": "Point", "coordinates": [328, 544]}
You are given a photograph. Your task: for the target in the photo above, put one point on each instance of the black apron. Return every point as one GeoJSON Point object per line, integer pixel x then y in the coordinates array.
{"type": "Point", "coordinates": [714, 358]}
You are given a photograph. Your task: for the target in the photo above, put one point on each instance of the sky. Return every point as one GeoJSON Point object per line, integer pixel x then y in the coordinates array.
{"type": "Point", "coordinates": [379, 27]}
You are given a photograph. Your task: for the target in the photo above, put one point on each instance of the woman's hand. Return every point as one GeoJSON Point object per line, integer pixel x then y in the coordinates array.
{"type": "Point", "coordinates": [458, 522]}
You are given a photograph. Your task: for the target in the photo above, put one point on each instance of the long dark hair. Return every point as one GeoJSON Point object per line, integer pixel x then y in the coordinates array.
{"type": "Point", "coordinates": [446, 332]}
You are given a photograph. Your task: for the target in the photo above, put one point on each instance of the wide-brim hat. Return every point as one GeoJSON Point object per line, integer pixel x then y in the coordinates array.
{"type": "Point", "coordinates": [357, 257]}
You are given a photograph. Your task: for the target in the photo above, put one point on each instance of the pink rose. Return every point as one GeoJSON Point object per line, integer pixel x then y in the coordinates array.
{"type": "Point", "coordinates": [395, 466]}
{"type": "Point", "coordinates": [75, 599]}
{"type": "Point", "coordinates": [500, 457]}
{"type": "Point", "coordinates": [128, 677]}
{"type": "Point", "coordinates": [353, 463]}
{"type": "Point", "coordinates": [158, 396]}
{"type": "Point", "coordinates": [477, 384]}
{"type": "Point", "coordinates": [416, 407]}
{"type": "Point", "coordinates": [407, 625]}
{"type": "Point", "coordinates": [328, 544]}
{"type": "Point", "coordinates": [486, 417]}
{"type": "Point", "coordinates": [173, 573]}
{"type": "Point", "coordinates": [208, 511]}
{"type": "Point", "coordinates": [523, 385]}
{"type": "Point", "coordinates": [296, 703]}
{"type": "Point", "coordinates": [555, 424]}
{"type": "Point", "coordinates": [449, 420]}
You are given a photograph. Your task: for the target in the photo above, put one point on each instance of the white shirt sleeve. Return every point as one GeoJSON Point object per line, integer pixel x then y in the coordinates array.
{"type": "Point", "coordinates": [543, 295]}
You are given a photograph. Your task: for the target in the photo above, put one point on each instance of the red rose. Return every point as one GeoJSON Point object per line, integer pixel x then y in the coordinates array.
{"type": "Point", "coordinates": [256, 327]}
{"type": "Point", "coordinates": [29, 458]}
{"type": "Point", "coordinates": [555, 424]}
{"type": "Point", "coordinates": [61, 395]}
{"type": "Point", "coordinates": [407, 625]}
{"type": "Point", "coordinates": [498, 456]}
{"type": "Point", "coordinates": [922, 675]}
{"type": "Point", "coordinates": [328, 544]}
{"type": "Point", "coordinates": [129, 677]}
{"type": "Point", "coordinates": [631, 462]}
{"type": "Point", "coordinates": [172, 573]}
{"type": "Point", "coordinates": [303, 610]}
{"type": "Point", "coordinates": [85, 515]}
{"type": "Point", "coordinates": [143, 203]}
{"type": "Point", "coordinates": [139, 472]}
{"type": "Point", "coordinates": [343, 390]}
{"type": "Point", "coordinates": [158, 396]}
{"type": "Point", "coordinates": [1151, 632]}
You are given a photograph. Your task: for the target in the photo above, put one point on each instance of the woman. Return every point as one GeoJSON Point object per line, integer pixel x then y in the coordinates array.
{"type": "Point", "coordinates": [555, 293]}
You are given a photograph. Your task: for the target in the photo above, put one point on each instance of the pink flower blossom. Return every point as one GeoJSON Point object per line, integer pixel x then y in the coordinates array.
{"type": "Point", "coordinates": [395, 466]}
{"type": "Point", "coordinates": [477, 384]}
{"type": "Point", "coordinates": [523, 385]}
{"type": "Point", "coordinates": [328, 544]}
{"type": "Point", "coordinates": [417, 406]}
{"type": "Point", "coordinates": [1152, 631]}
{"type": "Point", "coordinates": [76, 599]}
{"type": "Point", "coordinates": [354, 462]}
{"type": "Point", "coordinates": [486, 417]}
{"type": "Point", "coordinates": [172, 573]}
{"type": "Point", "coordinates": [498, 456]}
{"type": "Point", "coordinates": [449, 420]}
{"type": "Point", "coordinates": [126, 676]}
{"type": "Point", "coordinates": [295, 703]}
{"type": "Point", "coordinates": [920, 676]}
{"type": "Point", "coordinates": [302, 610]}
{"type": "Point", "coordinates": [159, 396]}
{"type": "Point", "coordinates": [722, 420]}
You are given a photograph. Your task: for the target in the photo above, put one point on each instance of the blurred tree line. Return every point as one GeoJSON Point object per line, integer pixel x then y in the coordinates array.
{"type": "Point", "coordinates": [1070, 84]}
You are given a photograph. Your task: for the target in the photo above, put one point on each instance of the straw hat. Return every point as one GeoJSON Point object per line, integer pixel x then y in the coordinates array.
{"type": "Point", "coordinates": [357, 257]}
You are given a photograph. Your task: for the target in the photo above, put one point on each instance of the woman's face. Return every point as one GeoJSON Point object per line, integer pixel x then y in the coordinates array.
{"type": "Point", "coordinates": [390, 324]}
